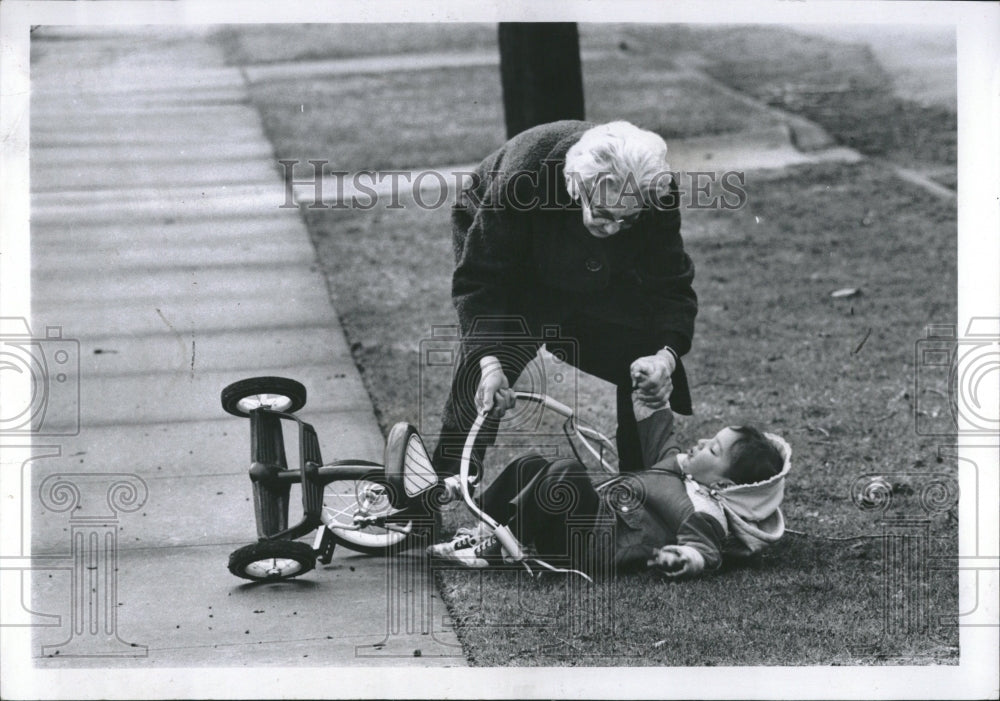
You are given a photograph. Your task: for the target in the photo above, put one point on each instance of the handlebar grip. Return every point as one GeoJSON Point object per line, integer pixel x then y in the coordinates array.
{"type": "Point", "coordinates": [550, 403]}
{"type": "Point", "coordinates": [558, 407]}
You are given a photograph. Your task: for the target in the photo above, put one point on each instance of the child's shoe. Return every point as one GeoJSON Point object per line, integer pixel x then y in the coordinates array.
{"type": "Point", "coordinates": [471, 547]}
{"type": "Point", "coordinates": [464, 537]}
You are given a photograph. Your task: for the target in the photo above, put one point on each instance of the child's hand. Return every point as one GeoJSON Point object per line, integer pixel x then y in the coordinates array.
{"type": "Point", "coordinates": [667, 560]}
{"type": "Point", "coordinates": [677, 561]}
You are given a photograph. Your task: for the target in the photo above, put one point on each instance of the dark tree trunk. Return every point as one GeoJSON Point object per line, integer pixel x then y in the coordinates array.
{"type": "Point", "coordinates": [540, 73]}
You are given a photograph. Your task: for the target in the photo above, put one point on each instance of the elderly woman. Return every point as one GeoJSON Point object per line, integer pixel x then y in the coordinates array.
{"type": "Point", "coordinates": [569, 235]}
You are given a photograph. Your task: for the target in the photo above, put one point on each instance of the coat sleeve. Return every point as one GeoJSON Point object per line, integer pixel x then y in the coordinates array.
{"type": "Point", "coordinates": [703, 533]}
{"type": "Point", "coordinates": [696, 529]}
{"type": "Point", "coordinates": [490, 247]}
{"type": "Point", "coordinates": [666, 274]}
{"type": "Point", "coordinates": [656, 438]}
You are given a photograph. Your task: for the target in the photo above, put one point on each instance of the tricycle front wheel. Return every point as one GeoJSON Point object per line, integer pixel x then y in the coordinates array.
{"type": "Point", "coordinates": [272, 560]}
{"type": "Point", "coordinates": [277, 393]}
{"type": "Point", "coordinates": [359, 514]}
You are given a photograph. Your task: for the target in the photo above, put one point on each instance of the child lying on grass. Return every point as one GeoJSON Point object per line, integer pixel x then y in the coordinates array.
{"type": "Point", "coordinates": [680, 514]}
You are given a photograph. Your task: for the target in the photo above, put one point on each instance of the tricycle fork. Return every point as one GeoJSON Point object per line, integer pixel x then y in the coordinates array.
{"type": "Point", "coordinates": [267, 461]}
{"type": "Point", "coordinates": [272, 479]}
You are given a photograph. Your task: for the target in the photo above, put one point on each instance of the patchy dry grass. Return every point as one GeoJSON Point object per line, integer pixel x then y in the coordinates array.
{"type": "Point", "coordinates": [839, 85]}
{"type": "Point", "coordinates": [445, 116]}
{"type": "Point", "coordinates": [773, 348]}
{"type": "Point", "coordinates": [834, 376]}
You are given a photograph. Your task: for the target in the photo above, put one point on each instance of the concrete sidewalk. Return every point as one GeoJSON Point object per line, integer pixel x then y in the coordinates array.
{"type": "Point", "coordinates": [159, 248]}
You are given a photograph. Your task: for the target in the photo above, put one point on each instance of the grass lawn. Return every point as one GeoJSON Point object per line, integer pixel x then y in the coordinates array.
{"type": "Point", "coordinates": [840, 86]}
{"type": "Point", "coordinates": [777, 355]}
{"type": "Point", "coordinates": [390, 121]}
{"type": "Point", "coordinates": [834, 376]}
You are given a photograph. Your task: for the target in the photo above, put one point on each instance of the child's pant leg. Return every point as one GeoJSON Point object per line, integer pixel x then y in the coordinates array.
{"type": "Point", "coordinates": [497, 500]}
{"type": "Point", "coordinates": [556, 501]}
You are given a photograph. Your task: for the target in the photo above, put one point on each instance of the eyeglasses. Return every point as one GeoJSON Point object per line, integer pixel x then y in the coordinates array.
{"type": "Point", "coordinates": [605, 215]}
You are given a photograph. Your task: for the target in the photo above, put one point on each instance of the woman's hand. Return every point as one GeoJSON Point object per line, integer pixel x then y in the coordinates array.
{"type": "Point", "coordinates": [651, 377]}
{"type": "Point", "coordinates": [494, 393]}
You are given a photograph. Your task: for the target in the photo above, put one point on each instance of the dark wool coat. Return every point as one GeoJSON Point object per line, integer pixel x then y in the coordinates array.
{"type": "Point", "coordinates": [521, 249]}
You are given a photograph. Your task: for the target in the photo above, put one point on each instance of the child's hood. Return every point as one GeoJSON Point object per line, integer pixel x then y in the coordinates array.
{"type": "Point", "coordinates": [753, 510]}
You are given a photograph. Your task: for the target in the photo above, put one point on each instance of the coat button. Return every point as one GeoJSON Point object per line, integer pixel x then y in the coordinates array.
{"type": "Point", "coordinates": [624, 509]}
{"type": "Point", "coordinates": [593, 265]}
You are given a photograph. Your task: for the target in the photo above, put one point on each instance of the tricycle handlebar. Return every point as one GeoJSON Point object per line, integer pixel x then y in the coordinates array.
{"type": "Point", "coordinates": [550, 403]}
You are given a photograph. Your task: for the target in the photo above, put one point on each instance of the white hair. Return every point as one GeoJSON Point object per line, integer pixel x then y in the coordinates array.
{"type": "Point", "coordinates": [618, 151]}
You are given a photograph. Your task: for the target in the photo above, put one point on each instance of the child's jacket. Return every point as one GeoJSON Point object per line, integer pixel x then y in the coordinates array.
{"type": "Point", "coordinates": [662, 506]}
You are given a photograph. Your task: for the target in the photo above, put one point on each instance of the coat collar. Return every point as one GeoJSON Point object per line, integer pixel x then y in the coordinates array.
{"type": "Point", "coordinates": [549, 185]}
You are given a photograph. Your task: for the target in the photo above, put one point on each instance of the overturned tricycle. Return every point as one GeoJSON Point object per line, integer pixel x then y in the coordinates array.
{"type": "Point", "coordinates": [371, 508]}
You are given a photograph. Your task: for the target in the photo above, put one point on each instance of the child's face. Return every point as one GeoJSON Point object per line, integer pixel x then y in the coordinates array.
{"type": "Point", "coordinates": [709, 460]}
